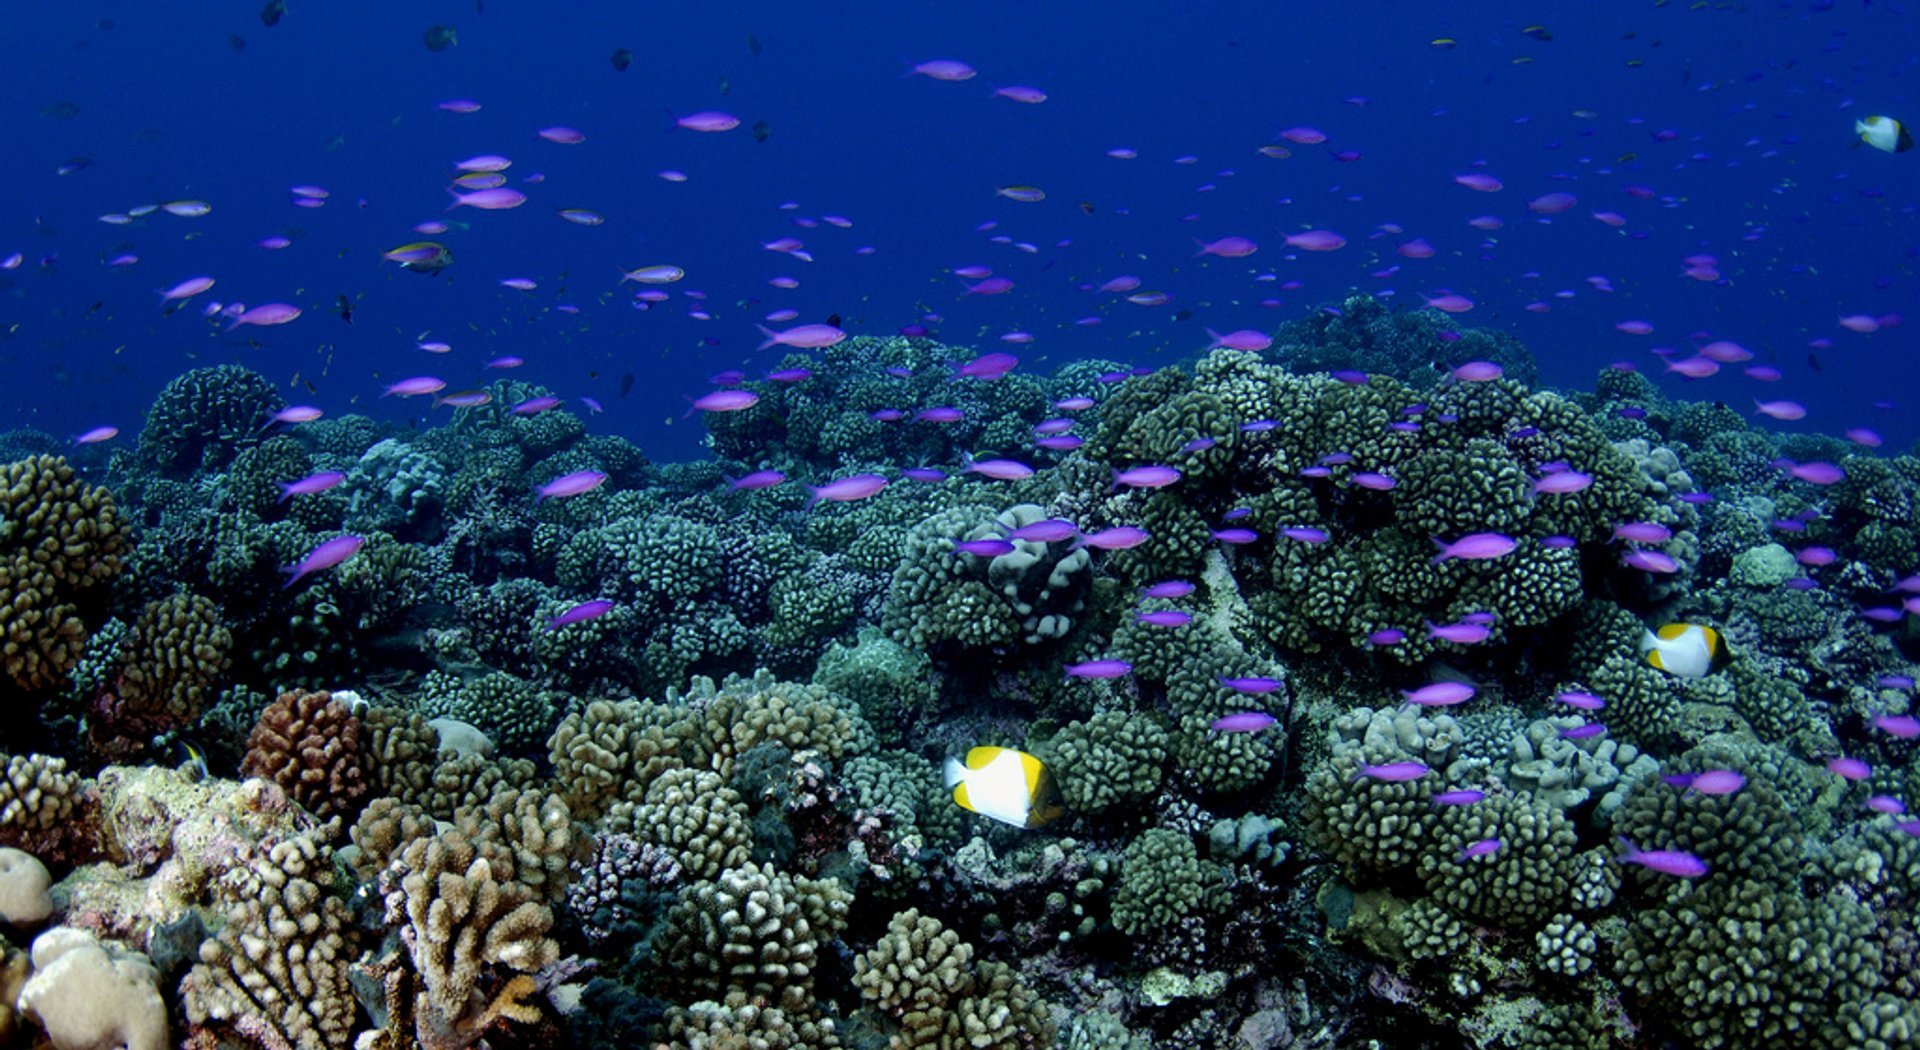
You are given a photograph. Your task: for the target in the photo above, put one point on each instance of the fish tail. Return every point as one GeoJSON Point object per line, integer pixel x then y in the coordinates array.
{"type": "Point", "coordinates": [773, 337]}
{"type": "Point", "coordinates": [953, 772]}
{"type": "Point", "coordinates": [286, 491]}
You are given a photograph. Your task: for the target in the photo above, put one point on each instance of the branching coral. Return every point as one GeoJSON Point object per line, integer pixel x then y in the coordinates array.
{"type": "Point", "coordinates": [59, 541]}
{"type": "Point", "coordinates": [309, 744]}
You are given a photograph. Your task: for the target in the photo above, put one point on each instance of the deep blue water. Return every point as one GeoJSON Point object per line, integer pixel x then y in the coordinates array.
{"type": "Point", "coordinates": [1737, 118]}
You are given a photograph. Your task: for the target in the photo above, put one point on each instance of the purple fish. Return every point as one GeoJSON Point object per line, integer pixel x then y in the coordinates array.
{"type": "Point", "coordinates": [1439, 694]}
{"type": "Point", "coordinates": [1368, 479]}
{"type": "Point", "coordinates": [1894, 681]}
{"type": "Point", "coordinates": [887, 415]}
{"type": "Point", "coordinates": [1564, 483]}
{"type": "Point", "coordinates": [723, 401]}
{"type": "Point", "coordinates": [584, 611]}
{"type": "Point", "coordinates": [1478, 849]}
{"type": "Point", "coordinates": [1100, 669]}
{"type": "Point", "coordinates": [988, 548]}
{"type": "Point", "coordinates": [296, 414]}
{"type": "Point", "coordinates": [1254, 684]}
{"type": "Point", "coordinates": [1236, 514]}
{"type": "Point", "coordinates": [1906, 727]}
{"type": "Point", "coordinates": [1665, 861]}
{"type": "Point", "coordinates": [310, 484]}
{"type": "Point", "coordinates": [1649, 561]}
{"type": "Point", "coordinates": [325, 556]}
{"type": "Point", "coordinates": [498, 198]}
{"type": "Point", "coordinates": [1642, 532]}
{"type": "Point", "coordinates": [1305, 534]}
{"type": "Point", "coordinates": [1169, 589]}
{"type": "Point", "coordinates": [533, 406]}
{"type": "Point", "coordinates": [1817, 473]}
{"type": "Point", "coordinates": [1711, 782]}
{"type": "Point", "coordinates": [1387, 636]}
{"type": "Point", "coordinates": [1236, 536]}
{"type": "Point", "coordinates": [1061, 442]}
{"type": "Point", "coordinates": [1816, 557]}
{"type": "Point", "coordinates": [266, 314]}
{"type": "Point", "coordinates": [1474, 547]}
{"type": "Point", "coordinates": [999, 469]}
{"type": "Point", "coordinates": [1260, 426]}
{"type": "Point", "coordinates": [1585, 731]}
{"type": "Point", "coordinates": [789, 375]}
{"type": "Point", "coordinates": [1243, 722]}
{"type": "Point", "coordinates": [1458, 633]}
{"type": "Point", "coordinates": [1477, 371]}
{"type": "Point", "coordinates": [1392, 772]}
{"type": "Point", "coordinates": [1462, 797]}
{"type": "Point", "coordinates": [1052, 530]}
{"type": "Point", "coordinates": [928, 474]}
{"type": "Point", "coordinates": [1048, 427]}
{"type": "Point", "coordinates": [987, 366]}
{"type": "Point", "coordinates": [846, 490]}
{"type": "Point", "coordinates": [96, 435]}
{"type": "Point", "coordinates": [759, 479]}
{"type": "Point", "coordinates": [1886, 804]}
{"type": "Point", "coordinates": [1118, 538]}
{"type": "Point", "coordinates": [416, 386]}
{"type": "Point", "coordinates": [1166, 618]}
{"type": "Point", "coordinates": [1849, 768]}
{"type": "Point", "coordinates": [941, 414]}
{"type": "Point", "coordinates": [1199, 444]}
{"type": "Point", "coordinates": [1582, 701]}
{"type": "Point", "coordinates": [570, 485]}
{"type": "Point", "coordinates": [1151, 477]}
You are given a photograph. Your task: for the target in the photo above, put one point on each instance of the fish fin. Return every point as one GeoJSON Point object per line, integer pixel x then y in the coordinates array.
{"type": "Point", "coordinates": [954, 773]}
{"type": "Point", "coordinates": [1653, 657]}
{"type": "Point", "coordinates": [1673, 631]}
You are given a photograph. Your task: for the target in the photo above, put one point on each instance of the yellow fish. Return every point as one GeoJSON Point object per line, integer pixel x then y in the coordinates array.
{"type": "Point", "coordinates": [1686, 650]}
{"type": "Point", "coordinates": [1000, 783]}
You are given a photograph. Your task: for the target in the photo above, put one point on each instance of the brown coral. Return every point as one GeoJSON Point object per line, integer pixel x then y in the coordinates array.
{"type": "Point", "coordinates": [309, 744]}
{"type": "Point", "coordinates": [473, 934]}
{"type": "Point", "coordinates": [753, 934]}
{"type": "Point", "coordinates": [46, 810]}
{"type": "Point", "coordinates": [59, 540]}
{"type": "Point", "coordinates": [276, 975]}
{"type": "Point", "coordinates": [169, 663]}
{"type": "Point", "coordinates": [923, 977]}
{"type": "Point", "coordinates": [399, 753]}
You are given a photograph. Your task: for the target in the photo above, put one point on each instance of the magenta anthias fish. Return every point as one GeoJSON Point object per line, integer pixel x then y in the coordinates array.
{"type": "Point", "coordinates": [987, 366]}
{"type": "Point", "coordinates": [987, 548]}
{"type": "Point", "coordinates": [573, 484]}
{"type": "Point", "coordinates": [1169, 589]}
{"type": "Point", "coordinates": [1151, 477]}
{"type": "Point", "coordinates": [1674, 862]}
{"type": "Point", "coordinates": [1711, 782]}
{"type": "Point", "coordinates": [325, 556]}
{"type": "Point", "coordinates": [584, 611]}
{"type": "Point", "coordinates": [724, 401]}
{"type": "Point", "coordinates": [416, 386]}
{"type": "Point", "coordinates": [1051, 530]}
{"type": "Point", "coordinates": [846, 490]}
{"type": "Point", "coordinates": [1099, 669]}
{"type": "Point", "coordinates": [1255, 684]}
{"type": "Point", "coordinates": [1392, 772]}
{"type": "Point", "coordinates": [1439, 694]}
{"type": "Point", "coordinates": [266, 314]}
{"type": "Point", "coordinates": [1474, 546]}
{"type": "Point", "coordinates": [309, 485]}
{"type": "Point", "coordinates": [803, 337]}
{"type": "Point", "coordinates": [499, 198]}
{"type": "Point", "coordinates": [1166, 618]}
{"type": "Point", "coordinates": [1118, 538]}
{"type": "Point", "coordinates": [759, 479]}
{"type": "Point", "coordinates": [709, 120]}
{"type": "Point", "coordinates": [1243, 722]}
{"type": "Point", "coordinates": [96, 435]}
{"type": "Point", "coordinates": [999, 469]}
{"type": "Point", "coordinates": [186, 289]}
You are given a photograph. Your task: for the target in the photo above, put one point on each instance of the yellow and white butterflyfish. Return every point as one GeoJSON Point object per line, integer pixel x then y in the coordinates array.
{"type": "Point", "coordinates": [1685, 650]}
{"type": "Point", "coordinates": [1884, 134]}
{"type": "Point", "coordinates": [1000, 783]}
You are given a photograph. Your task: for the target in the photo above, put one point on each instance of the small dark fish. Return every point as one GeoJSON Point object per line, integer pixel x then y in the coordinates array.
{"type": "Point", "coordinates": [621, 59]}
{"type": "Point", "coordinates": [344, 308]}
{"type": "Point", "coordinates": [753, 44]}
{"type": "Point", "coordinates": [237, 42]}
{"type": "Point", "coordinates": [439, 37]}
{"type": "Point", "coordinates": [762, 129]}
{"type": "Point", "coordinates": [626, 384]}
{"type": "Point", "coordinates": [271, 14]}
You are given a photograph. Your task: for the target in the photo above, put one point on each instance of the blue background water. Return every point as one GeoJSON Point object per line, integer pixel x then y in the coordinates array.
{"type": "Point", "coordinates": [1764, 172]}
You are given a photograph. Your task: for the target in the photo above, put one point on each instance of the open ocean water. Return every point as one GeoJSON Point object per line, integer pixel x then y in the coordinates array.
{"type": "Point", "coordinates": [1216, 525]}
